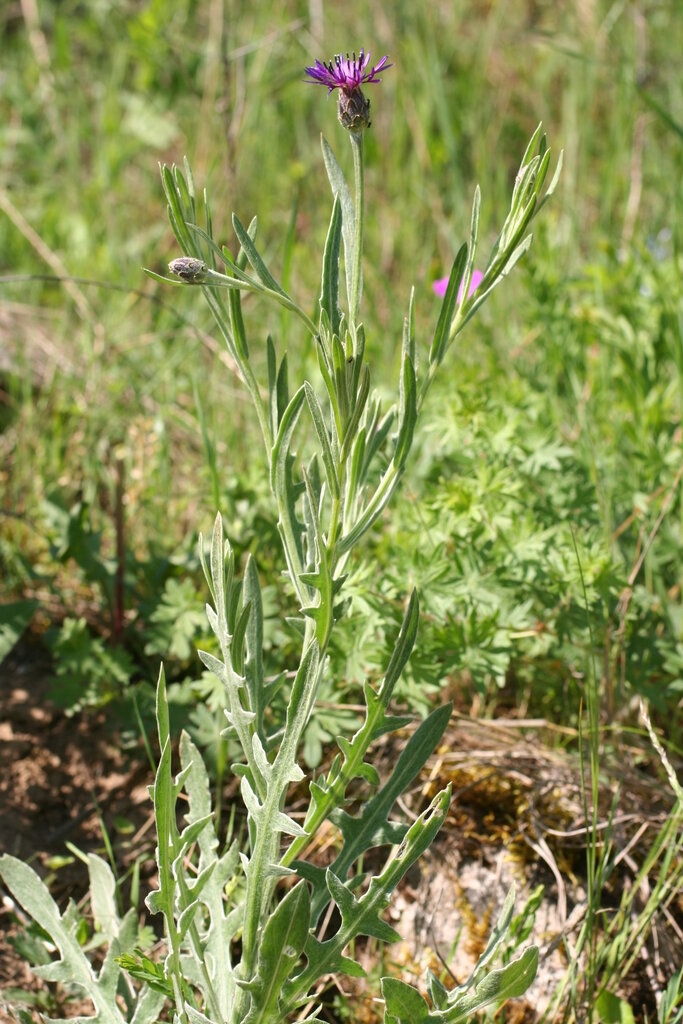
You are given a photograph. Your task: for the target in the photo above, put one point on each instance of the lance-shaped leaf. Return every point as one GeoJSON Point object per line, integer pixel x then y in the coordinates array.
{"type": "Point", "coordinates": [482, 293]}
{"type": "Point", "coordinates": [450, 300]}
{"type": "Point", "coordinates": [341, 383]}
{"type": "Point", "coordinates": [282, 484]}
{"type": "Point", "coordinates": [254, 257]}
{"type": "Point", "coordinates": [512, 241]}
{"type": "Point", "coordinates": [495, 987]}
{"type": "Point", "coordinates": [329, 291]}
{"type": "Point", "coordinates": [376, 503]}
{"type": "Point", "coordinates": [237, 646]}
{"type": "Point", "coordinates": [161, 900]}
{"type": "Point", "coordinates": [281, 391]}
{"type": "Point", "coordinates": [253, 664]}
{"type": "Point", "coordinates": [323, 436]}
{"type": "Point", "coordinates": [239, 334]}
{"type": "Point", "coordinates": [282, 944]}
{"type": "Point", "coordinates": [341, 189]}
{"type": "Point", "coordinates": [357, 346]}
{"type": "Point", "coordinates": [180, 209]}
{"type": "Point", "coordinates": [408, 347]}
{"type": "Point", "coordinates": [326, 371]}
{"type": "Point", "coordinates": [407, 414]}
{"type": "Point", "coordinates": [376, 430]}
{"type": "Point", "coordinates": [471, 247]}
{"type": "Point", "coordinates": [360, 402]}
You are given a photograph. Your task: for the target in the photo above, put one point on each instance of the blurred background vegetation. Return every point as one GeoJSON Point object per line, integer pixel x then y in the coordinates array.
{"type": "Point", "coordinates": [552, 453]}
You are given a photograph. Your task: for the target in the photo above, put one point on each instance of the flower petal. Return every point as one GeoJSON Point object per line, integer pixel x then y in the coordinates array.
{"type": "Point", "coordinates": [439, 286]}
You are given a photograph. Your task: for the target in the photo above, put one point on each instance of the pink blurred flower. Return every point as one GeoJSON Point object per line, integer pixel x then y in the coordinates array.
{"type": "Point", "coordinates": [439, 287]}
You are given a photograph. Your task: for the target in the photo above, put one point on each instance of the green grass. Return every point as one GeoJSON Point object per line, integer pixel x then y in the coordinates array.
{"type": "Point", "coordinates": [556, 429]}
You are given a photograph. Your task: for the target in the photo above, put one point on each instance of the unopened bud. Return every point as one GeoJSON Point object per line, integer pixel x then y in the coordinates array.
{"type": "Point", "coordinates": [191, 271]}
{"type": "Point", "coordinates": [354, 110]}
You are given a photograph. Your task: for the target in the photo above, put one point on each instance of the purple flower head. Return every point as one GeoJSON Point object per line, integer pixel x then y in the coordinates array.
{"type": "Point", "coordinates": [439, 287]}
{"type": "Point", "coordinates": [346, 73]}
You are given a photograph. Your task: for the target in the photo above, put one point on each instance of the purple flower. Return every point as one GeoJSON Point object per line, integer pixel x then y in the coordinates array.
{"type": "Point", "coordinates": [346, 73]}
{"type": "Point", "coordinates": [439, 287]}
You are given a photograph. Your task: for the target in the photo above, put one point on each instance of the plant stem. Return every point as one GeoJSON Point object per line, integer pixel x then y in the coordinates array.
{"type": "Point", "coordinates": [357, 269]}
{"type": "Point", "coordinates": [218, 280]}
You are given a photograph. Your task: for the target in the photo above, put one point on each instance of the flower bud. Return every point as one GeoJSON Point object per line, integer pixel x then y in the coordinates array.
{"type": "Point", "coordinates": [354, 110]}
{"type": "Point", "coordinates": [191, 270]}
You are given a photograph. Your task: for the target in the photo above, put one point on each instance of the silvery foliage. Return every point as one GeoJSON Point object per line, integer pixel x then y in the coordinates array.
{"type": "Point", "coordinates": [243, 938]}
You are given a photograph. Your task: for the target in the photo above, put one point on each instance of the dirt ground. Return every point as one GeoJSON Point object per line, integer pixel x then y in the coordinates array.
{"type": "Point", "coordinates": [58, 775]}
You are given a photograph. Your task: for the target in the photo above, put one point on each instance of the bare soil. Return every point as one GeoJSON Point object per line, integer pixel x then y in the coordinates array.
{"type": "Point", "coordinates": [59, 774]}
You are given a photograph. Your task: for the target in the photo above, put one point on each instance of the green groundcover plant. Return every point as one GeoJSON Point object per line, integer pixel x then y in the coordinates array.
{"type": "Point", "coordinates": [247, 932]}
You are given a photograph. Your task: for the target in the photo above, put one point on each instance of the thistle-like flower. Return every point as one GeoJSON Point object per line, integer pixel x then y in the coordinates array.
{"type": "Point", "coordinates": [348, 74]}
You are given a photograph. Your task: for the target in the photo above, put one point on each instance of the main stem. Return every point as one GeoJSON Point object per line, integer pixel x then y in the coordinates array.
{"type": "Point", "coordinates": [357, 268]}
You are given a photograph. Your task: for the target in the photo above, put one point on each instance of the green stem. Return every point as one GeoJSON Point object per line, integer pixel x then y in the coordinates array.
{"type": "Point", "coordinates": [426, 384]}
{"type": "Point", "coordinates": [357, 269]}
{"type": "Point", "coordinates": [253, 388]}
{"type": "Point", "coordinates": [217, 280]}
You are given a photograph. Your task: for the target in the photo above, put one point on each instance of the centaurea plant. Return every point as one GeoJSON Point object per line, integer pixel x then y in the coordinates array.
{"type": "Point", "coordinates": [244, 933]}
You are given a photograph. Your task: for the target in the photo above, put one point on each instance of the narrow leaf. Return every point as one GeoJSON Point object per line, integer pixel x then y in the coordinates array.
{"type": "Point", "coordinates": [341, 189]}
{"type": "Point", "coordinates": [329, 291]}
{"type": "Point", "coordinates": [254, 257]}
{"type": "Point", "coordinates": [508, 982]}
{"type": "Point", "coordinates": [284, 938]}
{"type": "Point", "coordinates": [408, 418]}
{"type": "Point", "coordinates": [443, 327]}
{"type": "Point", "coordinates": [323, 439]}
{"type": "Point", "coordinates": [253, 663]}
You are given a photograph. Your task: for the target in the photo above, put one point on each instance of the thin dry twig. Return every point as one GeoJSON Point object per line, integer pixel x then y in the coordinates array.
{"type": "Point", "coordinates": [46, 253]}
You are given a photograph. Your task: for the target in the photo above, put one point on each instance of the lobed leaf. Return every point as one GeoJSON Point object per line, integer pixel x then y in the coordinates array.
{"type": "Point", "coordinates": [360, 916]}
{"type": "Point", "coordinates": [73, 967]}
{"type": "Point", "coordinates": [372, 827]}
